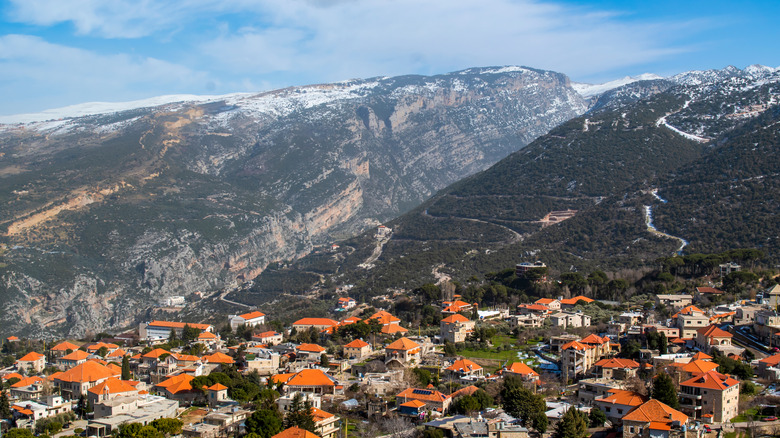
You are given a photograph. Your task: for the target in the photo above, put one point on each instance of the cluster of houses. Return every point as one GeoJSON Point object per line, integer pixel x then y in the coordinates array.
{"type": "Point", "coordinates": [161, 381]}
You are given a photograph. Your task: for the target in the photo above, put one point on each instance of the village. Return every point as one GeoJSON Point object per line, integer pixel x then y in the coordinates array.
{"type": "Point", "coordinates": [708, 368]}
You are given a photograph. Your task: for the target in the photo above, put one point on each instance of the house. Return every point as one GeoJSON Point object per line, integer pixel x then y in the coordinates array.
{"type": "Point", "coordinates": [357, 349]}
{"type": "Point", "coordinates": [464, 368]}
{"type": "Point", "coordinates": [27, 388]}
{"type": "Point", "coordinates": [218, 358]}
{"type": "Point", "coordinates": [568, 303]}
{"type": "Point", "coordinates": [403, 350]}
{"type": "Point", "coordinates": [326, 424]}
{"type": "Point", "coordinates": [768, 367]}
{"type": "Point", "coordinates": [534, 309]}
{"type": "Point", "coordinates": [217, 394]}
{"type": "Point", "coordinates": [728, 268]}
{"type": "Point", "coordinates": [63, 348]}
{"type": "Point", "coordinates": [588, 390]}
{"type": "Point", "coordinates": [270, 338]}
{"type": "Point", "coordinates": [684, 371]}
{"type": "Point", "coordinates": [143, 409]}
{"type": "Point", "coordinates": [346, 303]}
{"type": "Point", "coordinates": [771, 296]}
{"type": "Point", "coordinates": [690, 319]}
{"type": "Point", "coordinates": [578, 358]}
{"type": "Point", "coordinates": [707, 292]}
{"type": "Point", "coordinates": [618, 403]}
{"type": "Point", "coordinates": [250, 319]}
{"type": "Point", "coordinates": [209, 339]}
{"type": "Point", "coordinates": [31, 361]}
{"type": "Point", "coordinates": [712, 337]}
{"type": "Point", "coordinates": [766, 324]}
{"type": "Point", "coordinates": [710, 393]}
{"type": "Point", "coordinates": [413, 408]}
{"type": "Point", "coordinates": [76, 381]}
{"type": "Point", "coordinates": [111, 389]}
{"type": "Point", "coordinates": [616, 368]}
{"type": "Point", "coordinates": [528, 320]}
{"type": "Point", "coordinates": [550, 303]}
{"type": "Point", "coordinates": [309, 352]}
{"type": "Point", "coordinates": [94, 348]}
{"type": "Point", "coordinates": [630, 318]}
{"type": "Point", "coordinates": [77, 357]}
{"type": "Point", "coordinates": [434, 400]}
{"type": "Point", "coordinates": [456, 306]}
{"type": "Point", "coordinates": [159, 331]}
{"type": "Point", "coordinates": [654, 417]}
{"type": "Point", "coordinates": [179, 388]}
{"type": "Point", "coordinates": [522, 269]}
{"type": "Point", "coordinates": [317, 323]}
{"type": "Point", "coordinates": [456, 328]}
{"type": "Point", "coordinates": [674, 301]}
{"type": "Point", "coordinates": [522, 370]}
{"type": "Point", "coordinates": [311, 380]}
{"type": "Point", "coordinates": [264, 361]}
{"type": "Point", "coordinates": [570, 320]}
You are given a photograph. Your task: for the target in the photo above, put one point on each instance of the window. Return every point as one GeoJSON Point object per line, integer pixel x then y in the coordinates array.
{"type": "Point", "coordinates": [620, 411]}
{"type": "Point", "coordinates": [630, 429]}
{"type": "Point", "coordinates": [609, 409]}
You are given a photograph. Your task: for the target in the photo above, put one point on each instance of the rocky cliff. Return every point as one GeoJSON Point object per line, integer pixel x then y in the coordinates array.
{"type": "Point", "coordinates": [106, 216]}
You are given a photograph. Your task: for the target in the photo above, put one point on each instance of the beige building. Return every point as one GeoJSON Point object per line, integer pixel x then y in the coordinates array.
{"type": "Point", "coordinates": [570, 320]}
{"type": "Point", "coordinates": [712, 337]}
{"type": "Point", "coordinates": [456, 328]}
{"type": "Point", "coordinates": [710, 395]}
{"type": "Point", "coordinates": [766, 324]}
{"type": "Point", "coordinates": [689, 320]}
{"type": "Point", "coordinates": [357, 349]}
{"type": "Point", "coordinates": [404, 351]}
{"type": "Point", "coordinates": [653, 419]}
{"type": "Point", "coordinates": [674, 301]}
{"type": "Point", "coordinates": [31, 361]}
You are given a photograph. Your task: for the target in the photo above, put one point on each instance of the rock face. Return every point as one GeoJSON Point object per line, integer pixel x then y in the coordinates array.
{"type": "Point", "coordinates": [106, 216]}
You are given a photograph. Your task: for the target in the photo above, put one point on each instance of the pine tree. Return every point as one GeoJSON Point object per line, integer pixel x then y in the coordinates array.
{"type": "Point", "coordinates": [573, 424]}
{"type": "Point", "coordinates": [300, 414]}
{"type": "Point", "coordinates": [664, 391]}
{"type": "Point", "coordinates": [5, 406]}
{"type": "Point", "coordinates": [126, 368]}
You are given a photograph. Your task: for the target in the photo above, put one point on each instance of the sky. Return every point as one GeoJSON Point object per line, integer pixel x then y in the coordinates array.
{"type": "Point", "coordinates": [55, 53]}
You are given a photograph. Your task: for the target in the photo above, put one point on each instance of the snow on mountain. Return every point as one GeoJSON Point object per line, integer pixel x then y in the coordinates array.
{"type": "Point", "coordinates": [590, 90]}
{"type": "Point", "coordinates": [92, 108]}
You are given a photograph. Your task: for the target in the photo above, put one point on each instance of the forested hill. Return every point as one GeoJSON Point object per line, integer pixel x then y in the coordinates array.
{"type": "Point", "coordinates": [707, 141]}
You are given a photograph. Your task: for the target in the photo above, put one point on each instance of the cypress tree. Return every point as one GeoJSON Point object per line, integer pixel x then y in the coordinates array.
{"type": "Point", "coordinates": [126, 368]}
{"type": "Point", "coordinates": [664, 391]}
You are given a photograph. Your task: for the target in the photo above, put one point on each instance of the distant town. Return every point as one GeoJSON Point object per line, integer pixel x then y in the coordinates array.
{"type": "Point", "coordinates": [697, 362]}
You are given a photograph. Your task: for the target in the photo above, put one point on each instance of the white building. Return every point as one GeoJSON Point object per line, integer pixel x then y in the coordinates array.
{"type": "Point", "coordinates": [250, 319]}
{"type": "Point", "coordinates": [570, 320]}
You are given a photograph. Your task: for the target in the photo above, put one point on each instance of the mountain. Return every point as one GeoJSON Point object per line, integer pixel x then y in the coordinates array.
{"type": "Point", "coordinates": [107, 215]}
{"type": "Point", "coordinates": [655, 167]}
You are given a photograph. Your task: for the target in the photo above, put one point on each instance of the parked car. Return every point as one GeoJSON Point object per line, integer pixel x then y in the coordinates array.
{"type": "Point", "coordinates": [773, 418]}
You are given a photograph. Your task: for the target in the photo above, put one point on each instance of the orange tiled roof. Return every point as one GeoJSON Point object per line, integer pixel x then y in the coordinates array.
{"type": "Point", "coordinates": [65, 346]}
{"type": "Point", "coordinates": [357, 343]}
{"type": "Point", "coordinates": [457, 317]}
{"type": "Point", "coordinates": [708, 290]}
{"type": "Point", "coordinates": [281, 378]}
{"type": "Point", "coordinates": [171, 324]}
{"type": "Point", "coordinates": [87, 372]}
{"type": "Point", "coordinates": [219, 358]}
{"type": "Point", "coordinates": [311, 348]}
{"type": "Point", "coordinates": [155, 354]}
{"type": "Point", "coordinates": [295, 432]}
{"type": "Point", "coordinates": [422, 394]}
{"type": "Point", "coordinates": [713, 331]}
{"type": "Point", "coordinates": [404, 344]}
{"type": "Point", "coordinates": [539, 307]}
{"type": "Point", "coordinates": [12, 338]}
{"type": "Point", "coordinates": [315, 321]}
{"type": "Point", "coordinates": [267, 334]}
{"type": "Point", "coordinates": [96, 347]}
{"type": "Point", "coordinates": [615, 362]}
{"type": "Point", "coordinates": [545, 301]}
{"type": "Point", "coordinates": [207, 335]}
{"type": "Point", "coordinates": [178, 383]}
{"type": "Point", "coordinates": [721, 316]}
{"type": "Point", "coordinates": [689, 310]}
{"type": "Point", "coordinates": [22, 410]}
{"type": "Point", "coordinates": [468, 390]}
{"type": "Point", "coordinates": [701, 356]}
{"type": "Point", "coordinates": [54, 376]}
{"type": "Point", "coordinates": [310, 377]}
{"type": "Point", "coordinates": [320, 415]}
{"type": "Point", "coordinates": [10, 376]}
{"type": "Point", "coordinates": [118, 353]}
{"type": "Point", "coordinates": [414, 404]}
{"type": "Point", "coordinates": [522, 368]}
{"type": "Point", "coordinates": [771, 360]}
{"type": "Point", "coordinates": [252, 315]}
{"type": "Point", "coordinates": [112, 386]}
{"type": "Point", "coordinates": [464, 365]}
{"type": "Point", "coordinates": [27, 381]}
{"type": "Point", "coordinates": [31, 357]}
{"type": "Point", "coordinates": [622, 397]}
{"type": "Point", "coordinates": [217, 387]}
{"type": "Point", "coordinates": [383, 317]}
{"type": "Point", "coordinates": [594, 339]}
{"type": "Point", "coordinates": [186, 357]}
{"type": "Point", "coordinates": [392, 329]}
{"type": "Point", "coordinates": [574, 300]}
{"type": "Point", "coordinates": [711, 380]}
{"type": "Point", "coordinates": [699, 366]}
{"type": "Point", "coordinates": [577, 345]}
{"type": "Point", "coordinates": [655, 411]}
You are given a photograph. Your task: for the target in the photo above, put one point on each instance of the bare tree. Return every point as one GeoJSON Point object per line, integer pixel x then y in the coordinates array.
{"type": "Point", "coordinates": [366, 430]}
{"type": "Point", "coordinates": [397, 427]}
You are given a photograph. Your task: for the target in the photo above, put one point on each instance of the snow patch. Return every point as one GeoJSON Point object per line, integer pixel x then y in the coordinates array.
{"type": "Point", "coordinates": [590, 90]}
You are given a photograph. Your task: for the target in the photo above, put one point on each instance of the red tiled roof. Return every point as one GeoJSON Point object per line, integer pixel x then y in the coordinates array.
{"type": "Point", "coordinates": [178, 383]}
{"type": "Point", "coordinates": [615, 362]}
{"type": "Point", "coordinates": [320, 415]}
{"type": "Point", "coordinates": [711, 380]}
{"type": "Point", "coordinates": [698, 366]}
{"type": "Point", "coordinates": [87, 372]}
{"type": "Point", "coordinates": [112, 386]}
{"type": "Point", "coordinates": [392, 329]}
{"type": "Point", "coordinates": [594, 339]}
{"type": "Point", "coordinates": [574, 300]}
{"type": "Point", "coordinates": [96, 347]}
{"type": "Point", "coordinates": [545, 301]}
{"type": "Point", "coordinates": [414, 404]}
{"type": "Point", "coordinates": [27, 381]}
{"type": "Point", "coordinates": [217, 387]}
{"type": "Point", "coordinates": [771, 360]}
{"type": "Point", "coordinates": [622, 397]}
{"type": "Point", "coordinates": [689, 310]}
{"type": "Point", "coordinates": [713, 332]}
{"type": "Point", "coordinates": [77, 355]}
{"type": "Point", "coordinates": [155, 354]}
{"type": "Point", "coordinates": [383, 318]}
{"type": "Point", "coordinates": [708, 290]}
{"type": "Point", "coordinates": [268, 334]}
{"type": "Point", "coordinates": [457, 317]}
{"type": "Point", "coordinates": [577, 345]}
{"type": "Point", "coordinates": [218, 358]}
{"type": "Point", "coordinates": [311, 348]}
{"type": "Point", "coordinates": [10, 376]}
{"type": "Point", "coordinates": [464, 365]}
{"type": "Point", "coordinates": [422, 394]}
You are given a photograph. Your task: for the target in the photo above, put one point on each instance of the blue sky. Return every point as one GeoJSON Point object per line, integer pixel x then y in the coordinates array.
{"type": "Point", "coordinates": [62, 52]}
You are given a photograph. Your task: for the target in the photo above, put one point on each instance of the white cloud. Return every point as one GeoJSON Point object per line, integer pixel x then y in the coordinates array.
{"type": "Point", "coordinates": [33, 71]}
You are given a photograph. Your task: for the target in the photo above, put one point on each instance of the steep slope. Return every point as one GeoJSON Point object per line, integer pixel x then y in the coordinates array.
{"type": "Point", "coordinates": [682, 152]}
{"type": "Point", "coordinates": [105, 216]}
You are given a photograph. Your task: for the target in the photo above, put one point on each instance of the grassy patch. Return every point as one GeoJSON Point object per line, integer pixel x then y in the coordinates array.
{"type": "Point", "coordinates": [482, 354]}
{"type": "Point", "coordinates": [745, 416]}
